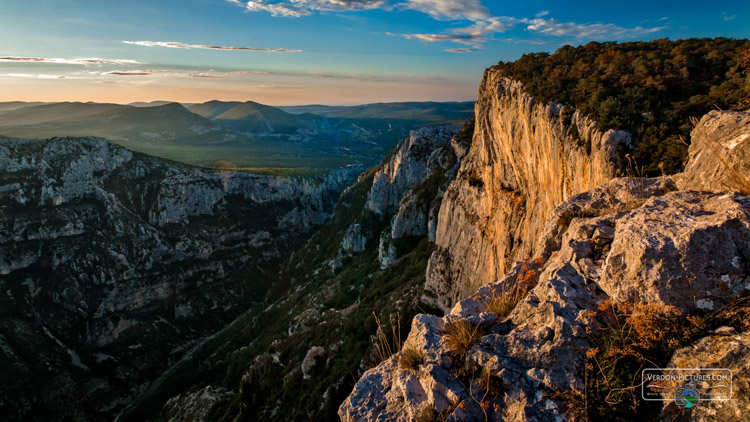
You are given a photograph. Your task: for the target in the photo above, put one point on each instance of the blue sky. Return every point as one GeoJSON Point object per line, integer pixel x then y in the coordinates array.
{"type": "Point", "coordinates": [309, 51]}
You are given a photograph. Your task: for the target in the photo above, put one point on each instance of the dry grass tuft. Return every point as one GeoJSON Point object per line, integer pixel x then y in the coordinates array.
{"type": "Point", "coordinates": [502, 302]}
{"type": "Point", "coordinates": [460, 335]}
{"type": "Point", "coordinates": [411, 359]}
{"type": "Point", "coordinates": [384, 347]}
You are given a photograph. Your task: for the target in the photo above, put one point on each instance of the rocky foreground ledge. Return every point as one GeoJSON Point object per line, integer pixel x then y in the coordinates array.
{"type": "Point", "coordinates": [674, 245]}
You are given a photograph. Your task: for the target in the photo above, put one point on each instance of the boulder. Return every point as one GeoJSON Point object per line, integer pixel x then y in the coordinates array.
{"type": "Point", "coordinates": [719, 154]}
{"type": "Point", "coordinates": [725, 350]}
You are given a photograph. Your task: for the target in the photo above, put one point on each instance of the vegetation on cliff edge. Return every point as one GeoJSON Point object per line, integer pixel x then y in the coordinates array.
{"type": "Point", "coordinates": [651, 89]}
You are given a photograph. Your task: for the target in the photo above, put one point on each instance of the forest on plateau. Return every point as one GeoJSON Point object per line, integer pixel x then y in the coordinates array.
{"type": "Point", "coordinates": [654, 90]}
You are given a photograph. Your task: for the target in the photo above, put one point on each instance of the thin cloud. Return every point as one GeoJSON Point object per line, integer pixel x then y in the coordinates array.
{"type": "Point", "coordinates": [275, 9]}
{"type": "Point", "coordinates": [322, 75]}
{"type": "Point", "coordinates": [589, 31]}
{"type": "Point", "coordinates": [128, 73]}
{"type": "Point", "coordinates": [523, 41]}
{"type": "Point", "coordinates": [542, 14]}
{"type": "Point", "coordinates": [727, 17]}
{"type": "Point", "coordinates": [183, 74]}
{"type": "Point", "coordinates": [462, 50]}
{"type": "Point", "coordinates": [92, 61]}
{"type": "Point", "coordinates": [450, 9]}
{"type": "Point", "coordinates": [300, 8]}
{"type": "Point", "coordinates": [457, 38]}
{"type": "Point", "coordinates": [473, 35]}
{"type": "Point", "coordinates": [172, 44]}
{"type": "Point", "coordinates": [31, 76]}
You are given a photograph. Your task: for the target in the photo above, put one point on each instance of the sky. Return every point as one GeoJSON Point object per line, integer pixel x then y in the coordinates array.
{"type": "Point", "coordinates": [290, 52]}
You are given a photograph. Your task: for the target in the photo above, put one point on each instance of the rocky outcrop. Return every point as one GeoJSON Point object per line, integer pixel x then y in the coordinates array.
{"type": "Point", "coordinates": [726, 349]}
{"type": "Point", "coordinates": [196, 406]}
{"type": "Point", "coordinates": [409, 164]}
{"type": "Point", "coordinates": [719, 154]}
{"type": "Point", "coordinates": [525, 159]}
{"type": "Point", "coordinates": [115, 264]}
{"type": "Point", "coordinates": [408, 187]}
{"type": "Point", "coordinates": [406, 192]}
{"type": "Point", "coordinates": [540, 348]}
{"type": "Point", "coordinates": [309, 362]}
{"type": "Point", "coordinates": [628, 240]}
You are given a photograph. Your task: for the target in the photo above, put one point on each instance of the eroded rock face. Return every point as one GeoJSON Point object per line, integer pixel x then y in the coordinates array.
{"type": "Point", "coordinates": [408, 165]}
{"type": "Point", "coordinates": [525, 159]}
{"type": "Point", "coordinates": [407, 189]}
{"type": "Point", "coordinates": [539, 348]}
{"type": "Point", "coordinates": [719, 153]}
{"type": "Point", "coordinates": [114, 264]}
{"type": "Point", "coordinates": [309, 362]}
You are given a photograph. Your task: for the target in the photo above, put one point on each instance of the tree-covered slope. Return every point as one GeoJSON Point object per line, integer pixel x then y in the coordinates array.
{"type": "Point", "coordinates": [651, 89]}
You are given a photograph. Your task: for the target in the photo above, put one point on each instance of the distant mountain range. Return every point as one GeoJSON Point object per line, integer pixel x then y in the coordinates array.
{"type": "Point", "coordinates": [246, 135]}
{"type": "Point", "coordinates": [427, 111]}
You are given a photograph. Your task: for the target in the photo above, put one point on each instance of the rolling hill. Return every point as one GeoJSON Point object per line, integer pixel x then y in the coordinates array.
{"type": "Point", "coordinates": [57, 112]}
{"type": "Point", "coordinates": [211, 109]}
{"type": "Point", "coordinates": [420, 111]}
{"type": "Point", "coordinates": [171, 123]}
{"type": "Point", "coordinates": [249, 117]}
{"type": "Point", "coordinates": [12, 105]}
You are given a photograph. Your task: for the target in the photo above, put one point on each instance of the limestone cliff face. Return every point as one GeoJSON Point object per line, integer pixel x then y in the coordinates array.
{"type": "Point", "coordinates": [408, 186]}
{"type": "Point", "coordinates": [525, 159]}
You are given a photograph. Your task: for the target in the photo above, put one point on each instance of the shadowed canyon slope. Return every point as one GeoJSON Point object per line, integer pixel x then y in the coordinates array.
{"type": "Point", "coordinates": [115, 264]}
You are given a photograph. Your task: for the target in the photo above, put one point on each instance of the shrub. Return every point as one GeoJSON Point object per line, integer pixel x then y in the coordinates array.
{"type": "Point", "coordinates": [426, 414]}
{"type": "Point", "coordinates": [411, 359]}
{"type": "Point", "coordinates": [635, 336]}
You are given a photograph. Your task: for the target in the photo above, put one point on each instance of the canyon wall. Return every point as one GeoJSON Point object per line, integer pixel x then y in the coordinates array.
{"type": "Point", "coordinates": [525, 159]}
{"type": "Point", "coordinates": [114, 264]}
